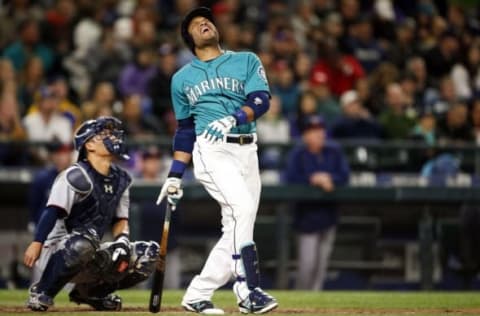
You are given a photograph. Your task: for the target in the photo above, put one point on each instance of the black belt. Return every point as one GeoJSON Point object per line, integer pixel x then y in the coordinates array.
{"type": "Point", "coordinates": [241, 139]}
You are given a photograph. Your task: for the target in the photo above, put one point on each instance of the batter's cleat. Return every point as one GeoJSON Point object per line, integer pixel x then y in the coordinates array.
{"type": "Point", "coordinates": [203, 307]}
{"type": "Point", "coordinates": [38, 301]}
{"type": "Point", "coordinates": [111, 302]}
{"type": "Point", "coordinates": [257, 302]}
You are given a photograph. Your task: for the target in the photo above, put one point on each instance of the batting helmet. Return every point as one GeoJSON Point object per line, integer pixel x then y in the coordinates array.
{"type": "Point", "coordinates": [200, 11]}
{"type": "Point", "coordinates": [90, 128]}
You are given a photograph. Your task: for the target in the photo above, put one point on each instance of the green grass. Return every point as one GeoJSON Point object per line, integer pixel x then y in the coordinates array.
{"type": "Point", "coordinates": [291, 302]}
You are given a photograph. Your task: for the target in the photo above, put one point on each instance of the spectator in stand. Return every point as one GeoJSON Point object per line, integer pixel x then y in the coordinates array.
{"type": "Point", "coordinates": [7, 72]}
{"type": "Point", "coordinates": [466, 74]}
{"type": "Point", "coordinates": [416, 67]}
{"type": "Point", "coordinates": [107, 60]}
{"type": "Point", "coordinates": [310, 104]}
{"type": "Point", "coordinates": [356, 121]}
{"type": "Point", "coordinates": [365, 95]}
{"type": "Point", "coordinates": [86, 35]}
{"type": "Point", "coordinates": [338, 71]}
{"type": "Point", "coordinates": [361, 43]}
{"type": "Point", "coordinates": [441, 58]}
{"type": "Point", "coordinates": [304, 21]}
{"type": "Point", "coordinates": [285, 87]}
{"type": "Point", "coordinates": [145, 35]}
{"type": "Point", "coordinates": [136, 75]}
{"type": "Point", "coordinates": [404, 46]}
{"type": "Point", "coordinates": [159, 85]}
{"type": "Point", "coordinates": [460, 24]}
{"type": "Point", "coordinates": [444, 98]}
{"type": "Point", "coordinates": [136, 124]}
{"type": "Point", "coordinates": [101, 102]}
{"type": "Point", "coordinates": [47, 124]}
{"type": "Point", "coordinates": [28, 45]}
{"type": "Point", "coordinates": [31, 80]}
{"type": "Point", "coordinates": [302, 67]}
{"type": "Point", "coordinates": [60, 157]}
{"type": "Point", "coordinates": [58, 24]}
{"type": "Point", "coordinates": [319, 163]}
{"type": "Point", "coordinates": [66, 107]}
{"type": "Point", "coordinates": [425, 129]}
{"type": "Point", "coordinates": [333, 26]}
{"type": "Point", "coordinates": [454, 127]}
{"type": "Point", "coordinates": [425, 15]}
{"type": "Point", "coordinates": [272, 127]}
{"type": "Point", "coordinates": [386, 74]}
{"type": "Point", "coordinates": [475, 114]}
{"type": "Point", "coordinates": [350, 11]}
{"type": "Point", "coordinates": [284, 45]}
{"type": "Point", "coordinates": [10, 130]}
{"type": "Point", "coordinates": [396, 120]}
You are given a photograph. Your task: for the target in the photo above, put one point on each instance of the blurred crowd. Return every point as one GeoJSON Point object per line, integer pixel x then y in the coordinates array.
{"type": "Point", "coordinates": [376, 70]}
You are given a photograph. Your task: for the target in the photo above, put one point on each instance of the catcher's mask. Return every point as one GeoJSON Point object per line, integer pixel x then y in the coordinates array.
{"type": "Point", "coordinates": [109, 129]}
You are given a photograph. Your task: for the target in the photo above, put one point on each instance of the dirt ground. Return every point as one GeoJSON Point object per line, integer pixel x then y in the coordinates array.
{"type": "Point", "coordinates": [318, 311]}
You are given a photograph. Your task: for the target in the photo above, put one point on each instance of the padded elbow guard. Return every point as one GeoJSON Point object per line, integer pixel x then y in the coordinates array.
{"type": "Point", "coordinates": [259, 102]}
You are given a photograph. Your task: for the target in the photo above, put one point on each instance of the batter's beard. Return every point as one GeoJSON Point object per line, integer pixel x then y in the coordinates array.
{"type": "Point", "coordinates": [212, 41]}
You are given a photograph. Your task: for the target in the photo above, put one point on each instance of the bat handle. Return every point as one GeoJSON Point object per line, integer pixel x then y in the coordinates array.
{"type": "Point", "coordinates": [172, 190]}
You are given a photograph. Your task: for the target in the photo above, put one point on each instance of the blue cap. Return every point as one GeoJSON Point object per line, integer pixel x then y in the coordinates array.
{"type": "Point", "coordinates": [312, 121]}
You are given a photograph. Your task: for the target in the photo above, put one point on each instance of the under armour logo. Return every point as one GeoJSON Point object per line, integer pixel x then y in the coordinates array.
{"type": "Point", "coordinates": [108, 188]}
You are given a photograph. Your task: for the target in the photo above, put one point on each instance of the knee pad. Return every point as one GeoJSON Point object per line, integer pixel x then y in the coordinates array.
{"type": "Point", "coordinates": [249, 256]}
{"type": "Point", "coordinates": [79, 250]}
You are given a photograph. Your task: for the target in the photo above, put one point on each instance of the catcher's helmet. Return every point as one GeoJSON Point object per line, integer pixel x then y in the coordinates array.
{"type": "Point", "coordinates": [90, 128]}
{"type": "Point", "coordinates": [200, 11]}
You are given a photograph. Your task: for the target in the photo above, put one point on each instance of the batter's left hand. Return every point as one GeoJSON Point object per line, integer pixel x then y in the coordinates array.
{"type": "Point", "coordinates": [217, 129]}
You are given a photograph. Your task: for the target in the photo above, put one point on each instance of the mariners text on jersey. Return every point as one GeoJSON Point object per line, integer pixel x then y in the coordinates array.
{"type": "Point", "coordinates": [227, 83]}
{"type": "Point", "coordinates": [210, 90]}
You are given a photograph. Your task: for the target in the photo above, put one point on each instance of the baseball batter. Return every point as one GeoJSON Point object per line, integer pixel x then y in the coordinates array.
{"type": "Point", "coordinates": [86, 199]}
{"type": "Point", "coordinates": [217, 98]}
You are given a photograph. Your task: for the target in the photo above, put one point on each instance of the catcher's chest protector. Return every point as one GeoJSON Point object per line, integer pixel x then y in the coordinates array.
{"type": "Point", "coordinates": [97, 208]}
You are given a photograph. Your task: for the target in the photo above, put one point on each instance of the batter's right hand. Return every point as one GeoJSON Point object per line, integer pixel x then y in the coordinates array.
{"type": "Point", "coordinates": [32, 253]}
{"type": "Point", "coordinates": [177, 192]}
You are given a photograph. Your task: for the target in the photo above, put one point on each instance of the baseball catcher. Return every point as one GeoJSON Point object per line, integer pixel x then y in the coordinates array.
{"type": "Point", "coordinates": [86, 199]}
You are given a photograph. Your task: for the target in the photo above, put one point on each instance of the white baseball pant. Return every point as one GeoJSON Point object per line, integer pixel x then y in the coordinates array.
{"type": "Point", "coordinates": [230, 174]}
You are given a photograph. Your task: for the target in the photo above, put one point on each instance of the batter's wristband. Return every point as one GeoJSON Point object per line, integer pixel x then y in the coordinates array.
{"type": "Point", "coordinates": [241, 117]}
{"type": "Point", "coordinates": [177, 169]}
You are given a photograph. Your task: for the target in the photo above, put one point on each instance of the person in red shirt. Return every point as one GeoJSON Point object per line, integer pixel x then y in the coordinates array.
{"type": "Point", "coordinates": [336, 70]}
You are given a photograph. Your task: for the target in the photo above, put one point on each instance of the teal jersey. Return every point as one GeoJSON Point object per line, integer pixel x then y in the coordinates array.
{"type": "Point", "coordinates": [211, 90]}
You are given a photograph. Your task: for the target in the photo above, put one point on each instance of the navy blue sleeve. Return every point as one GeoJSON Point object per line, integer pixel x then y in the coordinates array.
{"type": "Point", "coordinates": [341, 173]}
{"type": "Point", "coordinates": [295, 172]}
{"type": "Point", "coordinates": [47, 222]}
{"type": "Point", "coordinates": [35, 200]}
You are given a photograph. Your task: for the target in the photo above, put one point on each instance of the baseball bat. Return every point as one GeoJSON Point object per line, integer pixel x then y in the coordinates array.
{"type": "Point", "coordinates": [159, 274]}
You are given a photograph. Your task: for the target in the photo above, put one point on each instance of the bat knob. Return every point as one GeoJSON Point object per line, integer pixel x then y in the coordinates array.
{"type": "Point", "coordinates": [172, 190]}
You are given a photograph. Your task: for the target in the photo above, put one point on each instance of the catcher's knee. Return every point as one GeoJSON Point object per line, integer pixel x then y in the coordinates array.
{"type": "Point", "coordinates": [143, 258]}
{"type": "Point", "coordinates": [79, 250]}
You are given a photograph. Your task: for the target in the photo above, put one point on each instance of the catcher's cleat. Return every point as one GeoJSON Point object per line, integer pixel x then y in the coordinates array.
{"type": "Point", "coordinates": [257, 302]}
{"type": "Point", "coordinates": [202, 307]}
{"type": "Point", "coordinates": [111, 302]}
{"type": "Point", "coordinates": [38, 301]}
